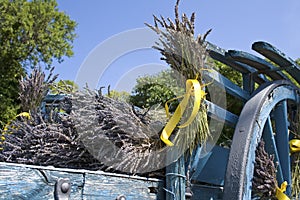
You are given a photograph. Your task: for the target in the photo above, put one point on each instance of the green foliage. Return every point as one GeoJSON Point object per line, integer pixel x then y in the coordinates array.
{"type": "Point", "coordinates": [8, 92]}
{"type": "Point", "coordinates": [8, 110]}
{"type": "Point", "coordinates": [156, 89]}
{"type": "Point", "coordinates": [233, 104]}
{"type": "Point", "coordinates": [63, 87]}
{"type": "Point", "coordinates": [31, 33]}
{"type": "Point", "coordinates": [119, 96]}
{"type": "Point", "coordinates": [35, 31]}
{"type": "Point", "coordinates": [233, 75]}
{"type": "Point", "coordinates": [286, 72]}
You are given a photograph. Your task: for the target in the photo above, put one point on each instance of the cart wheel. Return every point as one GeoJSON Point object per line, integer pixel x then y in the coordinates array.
{"type": "Point", "coordinates": [265, 113]}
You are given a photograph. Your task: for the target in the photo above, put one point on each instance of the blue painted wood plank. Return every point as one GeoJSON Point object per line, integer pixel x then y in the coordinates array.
{"type": "Point", "coordinates": [176, 180]}
{"type": "Point", "coordinates": [211, 168]}
{"type": "Point", "coordinates": [230, 62]}
{"type": "Point", "coordinates": [248, 83]}
{"type": "Point", "coordinates": [19, 181]}
{"type": "Point", "coordinates": [220, 114]}
{"type": "Point", "coordinates": [278, 57]}
{"type": "Point", "coordinates": [207, 192]}
{"type": "Point", "coordinates": [219, 55]}
{"type": "Point", "coordinates": [35, 183]}
{"type": "Point", "coordinates": [51, 98]}
{"type": "Point", "coordinates": [103, 187]}
{"type": "Point", "coordinates": [260, 64]}
{"type": "Point", "coordinates": [224, 83]}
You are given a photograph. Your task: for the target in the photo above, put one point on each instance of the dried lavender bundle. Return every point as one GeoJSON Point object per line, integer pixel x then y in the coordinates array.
{"type": "Point", "coordinates": [178, 45]}
{"type": "Point", "coordinates": [43, 140]}
{"type": "Point", "coordinates": [186, 54]}
{"type": "Point", "coordinates": [264, 181]}
{"type": "Point", "coordinates": [117, 134]}
{"type": "Point", "coordinates": [38, 142]}
{"type": "Point", "coordinates": [80, 140]}
{"type": "Point", "coordinates": [34, 87]}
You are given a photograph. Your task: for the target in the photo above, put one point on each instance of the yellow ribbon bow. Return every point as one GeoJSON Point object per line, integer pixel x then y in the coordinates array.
{"type": "Point", "coordinates": [193, 87]}
{"type": "Point", "coordinates": [280, 192]}
{"type": "Point", "coordinates": [294, 145]}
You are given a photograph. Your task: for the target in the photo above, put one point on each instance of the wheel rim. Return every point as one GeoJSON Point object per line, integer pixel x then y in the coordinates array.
{"type": "Point", "coordinates": [253, 121]}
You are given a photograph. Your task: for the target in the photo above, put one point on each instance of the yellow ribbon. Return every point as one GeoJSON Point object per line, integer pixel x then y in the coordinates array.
{"type": "Point", "coordinates": [294, 145]}
{"type": "Point", "coordinates": [193, 87]}
{"type": "Point", "coordinates": [280, 192]}
{"type": "Point", "coordinates": [22, 114]}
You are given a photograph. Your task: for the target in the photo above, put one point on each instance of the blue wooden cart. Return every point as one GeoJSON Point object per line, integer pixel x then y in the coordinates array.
{"type": "Point", "coordinates": [227, 173]}
{"type": "Point", "coordinates": [269, 98]}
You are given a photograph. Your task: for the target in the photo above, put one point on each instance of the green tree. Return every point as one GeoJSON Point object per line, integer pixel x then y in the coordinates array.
{"type": "Point", "coordinates": [154, 89]}
{"type": "Point", "coordinates": [31, 33]}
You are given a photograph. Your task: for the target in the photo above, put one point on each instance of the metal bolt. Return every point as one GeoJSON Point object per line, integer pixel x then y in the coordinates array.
{"type": "Point", "coordinates": [188, 193]}
{"type": "Point", "coordinates": [62, 189]}
{"type": "Point", "coordinates": [65, 187]}
{"type": "Point", "coordinates": [121, 197]}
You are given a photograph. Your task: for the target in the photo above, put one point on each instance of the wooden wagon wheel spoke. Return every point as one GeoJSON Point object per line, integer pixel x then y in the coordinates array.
{"type": "Point", "coordinates": [271, 147]}
{"type": "Point", "coordinates": [264, 116]}
{"type": "Point", "coordinates": [282, 141]}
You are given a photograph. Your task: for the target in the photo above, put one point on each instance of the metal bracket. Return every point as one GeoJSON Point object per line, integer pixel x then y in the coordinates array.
{"type": "Point", "coordinates": [62, 189]}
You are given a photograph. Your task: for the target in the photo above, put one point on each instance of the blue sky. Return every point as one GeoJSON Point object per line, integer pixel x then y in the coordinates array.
{"type": "Point", "coordinates": [235, 24]}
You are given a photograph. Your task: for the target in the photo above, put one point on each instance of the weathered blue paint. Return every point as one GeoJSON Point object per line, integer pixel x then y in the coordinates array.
{"type": "Point", "coordinates": [52, 98]}
{"type": "Point", "coordinates": [176, 180]}
{"type": "Point", "coordinates": [212, 167]}
{"type": "Point", "coordinates": [282, 142]}
{"type": "Point", "coordinates": [271, 148]}
{"type": "Point", "coordinates": [219, 55]}
{"type": "Point", "coordinates": [247, 134]}
{"type": "Point", "coordinates": [279, 58]}
{"type": "Point", "coordinates": [260, 64]}
{"type": "Point", "coordinates": [221, 81]}
{"type": "Point", "coordinates": [206, 192]}
{"type": "Point", "coordinates": [221, 114]}
{"type": "Point", "coordinates": [248, 83]}
{"type": "Point", "coordinates": [19, 181]}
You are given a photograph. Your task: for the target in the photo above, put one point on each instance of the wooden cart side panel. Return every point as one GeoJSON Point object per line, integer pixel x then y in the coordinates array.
{"type": "Point", "coordinates": [22, 182]}
{"type": "Point", "coordinates": [19, 181]}
{"type": "Point", "coordinates": [109, 187]}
